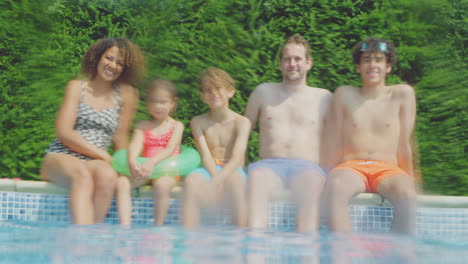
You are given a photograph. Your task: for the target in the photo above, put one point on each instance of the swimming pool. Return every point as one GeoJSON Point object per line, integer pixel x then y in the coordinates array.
{"type": "Point", "coordinates": [28, 242]}
{"type": "Point", "coordinates": [34, 228]}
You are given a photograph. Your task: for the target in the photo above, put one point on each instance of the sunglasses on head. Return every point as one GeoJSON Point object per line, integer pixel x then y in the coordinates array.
{"type": "Point", "coordinates": [382, 47]}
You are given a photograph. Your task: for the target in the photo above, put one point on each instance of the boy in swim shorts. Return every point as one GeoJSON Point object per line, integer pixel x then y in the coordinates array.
{"type": "Point", "coordinates": [221, 137]}
{"type": "Point", "coordinates": [291, 118]}
{"type": "Point", "coordinates": [370, 133]}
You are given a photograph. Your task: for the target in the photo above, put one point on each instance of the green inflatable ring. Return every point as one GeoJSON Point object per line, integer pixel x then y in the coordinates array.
{"type": "Point", "coordinates": [182, 164]}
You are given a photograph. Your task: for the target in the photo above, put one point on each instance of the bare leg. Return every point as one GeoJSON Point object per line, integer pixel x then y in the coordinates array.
{"type": "Point", "coordinates": [69, 171]}
{"type": "Point", "coordinates": [196, 186]}
{"type": "Point", "coordinates": [105, 180]}
{"type": "Point", "coordinates": [262, 183]}
{"type": "Point", "coordinates": [161, 194]}
{"type": "Point", "coordinates": [236, 190]}
{"type": "Point", "coordinates": [340, 187]}
{"type": "Point", "coordinates": [306, 189]}
{"type": "Point", "coordinates": [401, 192]}
{"type": "Point", "coordinates": [124, 200]}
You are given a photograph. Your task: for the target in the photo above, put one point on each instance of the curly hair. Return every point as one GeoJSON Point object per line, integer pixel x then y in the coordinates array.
{"type": "Point", "coordinates": [375, 45]}
{"type": "Point", "coordinates": [299, 40]}
{"type": "Point", "coordinates": [216, 79]}
{"type": "Point", "coordinates": [133, 59]}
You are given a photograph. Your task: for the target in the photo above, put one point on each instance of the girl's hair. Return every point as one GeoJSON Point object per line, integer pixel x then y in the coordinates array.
{"type": "Point", "coordinates": [299, 40]}
{"type": "Point", "coordinates": [165, 85]}
{"type": "Point", "coordinates": [133, 59]}
{"type": "Point", "coordinates": [215, 78]}
{"type": "Point", "coordinates": [375, 45]}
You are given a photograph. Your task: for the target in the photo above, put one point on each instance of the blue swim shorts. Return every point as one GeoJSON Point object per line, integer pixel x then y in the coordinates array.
{"type": "Point", "coordinates": [286, 168]}
{"type": "Point", "coordinates": [207, 175]}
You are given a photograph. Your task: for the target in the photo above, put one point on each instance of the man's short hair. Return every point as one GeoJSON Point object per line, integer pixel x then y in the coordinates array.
{"type": "Point", "coordinates": [299, 40]}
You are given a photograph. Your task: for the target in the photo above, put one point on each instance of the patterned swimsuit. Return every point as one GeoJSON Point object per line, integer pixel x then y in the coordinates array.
{"type": "Point", "coordinates": [97, 127]}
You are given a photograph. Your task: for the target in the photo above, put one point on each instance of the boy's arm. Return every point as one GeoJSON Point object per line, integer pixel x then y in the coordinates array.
{"type": "Point", "coordinates": [239, 148]}
{"type": "Point", "coordinates": [202, 146]}
{"type": "Point", "coordinates": [407, 119]}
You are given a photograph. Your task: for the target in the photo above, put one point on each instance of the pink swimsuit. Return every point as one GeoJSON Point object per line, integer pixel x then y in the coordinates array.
{"type": "Point", "coordinates": [153, 144]}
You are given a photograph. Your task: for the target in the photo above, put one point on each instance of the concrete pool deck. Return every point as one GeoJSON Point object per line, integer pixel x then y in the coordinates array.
{"type": "Point", "coordinates": [368, 199]}
{"type": "Point", "coordinates": [39, 201]}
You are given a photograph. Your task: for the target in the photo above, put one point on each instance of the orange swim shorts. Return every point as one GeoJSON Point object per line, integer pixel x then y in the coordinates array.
{"type": "Point", "coordinates": [372, 172]}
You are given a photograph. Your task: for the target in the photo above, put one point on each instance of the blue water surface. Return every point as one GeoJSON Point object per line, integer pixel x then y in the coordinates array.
{"type": "Point", "coordinates": [32, 242]}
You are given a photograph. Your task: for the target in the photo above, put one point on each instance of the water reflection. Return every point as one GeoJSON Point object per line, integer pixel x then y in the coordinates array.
{"type": "Point", "coordinates": [40, 243]}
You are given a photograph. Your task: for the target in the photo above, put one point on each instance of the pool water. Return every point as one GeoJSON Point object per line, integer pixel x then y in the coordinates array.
{"type": "Point", "coordinates": [38, 242]}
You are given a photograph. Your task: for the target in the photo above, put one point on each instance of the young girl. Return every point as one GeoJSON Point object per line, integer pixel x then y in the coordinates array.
{"type": "Point", "coordinates": [157, 140]}
{"type": "Point", "coordinates": [95, 113]}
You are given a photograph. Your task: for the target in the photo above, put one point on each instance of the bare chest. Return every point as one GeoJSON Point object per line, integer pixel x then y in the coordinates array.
{"type": "Point", "coordinates": [220, 134]}
{"type": "Point", "coordinates": [373, 116]}
{"type": "Point", "coordinates": [295, 113]}
{"type": "Point", "coordinates": [99, 101]}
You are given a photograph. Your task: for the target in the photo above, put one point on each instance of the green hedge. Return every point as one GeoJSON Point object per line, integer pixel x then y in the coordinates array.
{"type": "Point", "coordinates": [43, 41]}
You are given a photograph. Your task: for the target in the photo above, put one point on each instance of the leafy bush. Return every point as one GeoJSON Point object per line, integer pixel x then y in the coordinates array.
{"type": "Point", "coordinates": [43, 42]}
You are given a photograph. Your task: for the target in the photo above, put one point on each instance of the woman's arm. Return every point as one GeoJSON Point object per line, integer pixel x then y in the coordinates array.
{"type": "Point", "coordinates": [128, 108]}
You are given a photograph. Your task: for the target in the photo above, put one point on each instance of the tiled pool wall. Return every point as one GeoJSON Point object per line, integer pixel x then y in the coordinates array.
{"type": "Point", "coordinates": [54, 208]}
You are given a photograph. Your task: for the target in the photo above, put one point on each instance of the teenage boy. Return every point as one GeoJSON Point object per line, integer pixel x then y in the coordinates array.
{"type": "Point", "coordinates": [371, 128]}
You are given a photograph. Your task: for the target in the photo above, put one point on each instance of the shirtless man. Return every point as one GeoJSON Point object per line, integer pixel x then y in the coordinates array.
{"type": "Point", "coordinates": [221, 137]}
{"type": "Point", "coordinates": [371, 128]}
{"type": "Point", "coordinates": [291, 117]}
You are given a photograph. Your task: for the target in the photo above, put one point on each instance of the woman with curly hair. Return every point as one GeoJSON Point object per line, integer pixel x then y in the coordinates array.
{"type": "Point", "coordinates": [95, 113]}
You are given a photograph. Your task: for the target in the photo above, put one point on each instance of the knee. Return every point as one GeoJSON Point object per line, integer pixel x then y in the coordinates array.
{"type": "Point", "coordinates": [335, 185]}
{"type": "Point", "coordinates": [235, 180]}
{"type": "Point", "coordinates": [314, 180]}
{"type": "Point", "coordinates": [308, 186]}
{"type": "Point", "coordinates": [123, 184]}
{"type": "Point", "coordinates": [190, 185]}
{"type": "Point", "coordinates": [105, 180]}
{"type": "Point", "coordinates": [255, 177]}
{"type": "Point", "coordinates": [82, 178]}
{"type": "Point", "coordinates": [163, 186]}
{"type": "Point", "coordinates": [405, 194]}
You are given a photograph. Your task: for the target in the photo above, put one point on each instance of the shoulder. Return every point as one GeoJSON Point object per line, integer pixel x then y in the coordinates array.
{"type": "Point", "coordinates": [263, 94]}
{"type": "Point", "coordinates": [143, 124]}
{"type": "Point", "coordinates": [127, 91]}
{"type": "Point", "coordinates": [198, 120]}
{"type": "Point", "coordinates": [241, 120]}
{"type": "Point", "coordinates": [74, 89]}
{"type": "Point", "coordinates": [74, 86]}
{"type": "Point", "coordinates": [345, 91]}
{"type": "Point", "coordinates": [265, 88]}
{"type": "Point", "coordinates": [178, 124]}
{"type": "Point", "coordinates": [321, 92]}
{"type": "Point", "coordinates": [403, 90]}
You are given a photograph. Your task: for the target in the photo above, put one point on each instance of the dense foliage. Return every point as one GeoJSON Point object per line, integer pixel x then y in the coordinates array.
{"type": "Point", "coordinates": [43, 41]}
